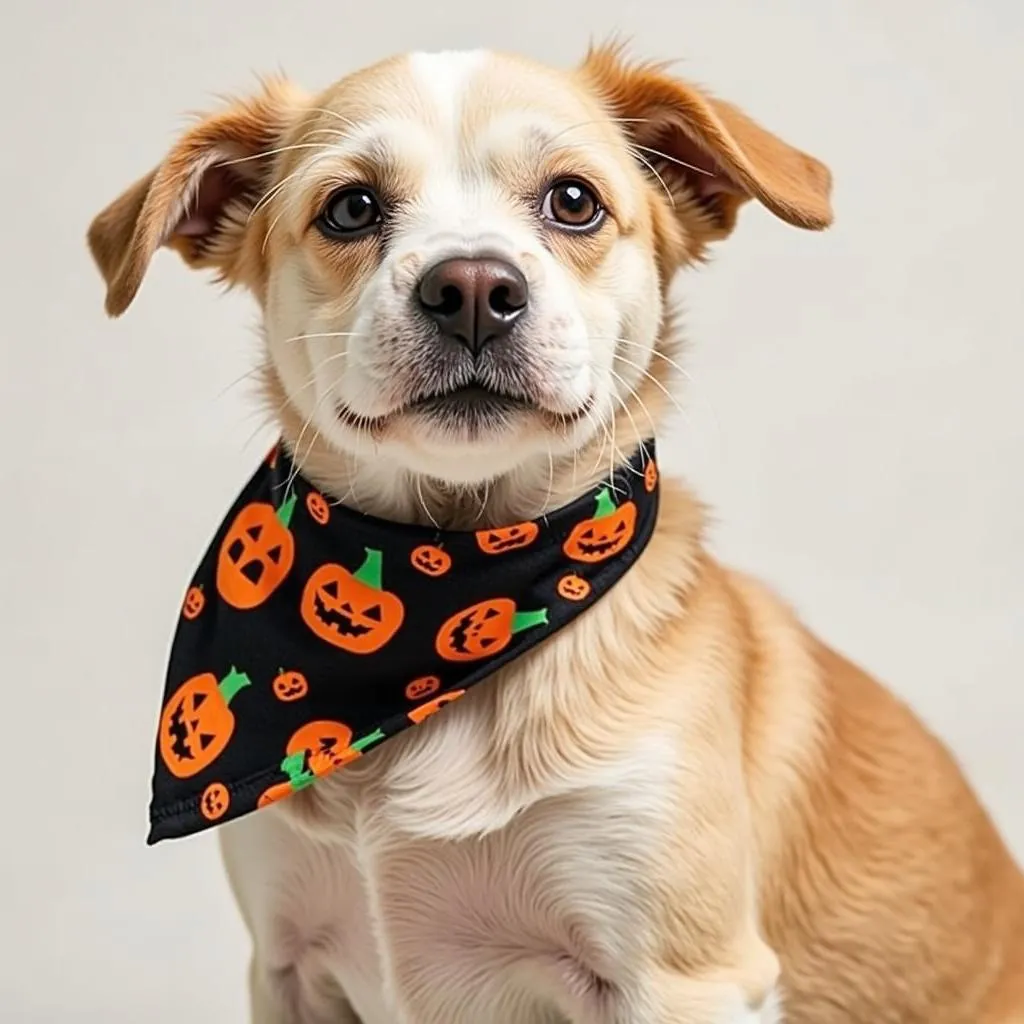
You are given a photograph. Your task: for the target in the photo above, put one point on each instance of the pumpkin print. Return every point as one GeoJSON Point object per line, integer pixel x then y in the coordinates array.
{"type": "Point", "coordinates": [484, 629]}
{"type": "Point", "coordinates": [317, 507]}
{"type": "Point", "coordinates": [324, 746]}
{"type": "Point", "coordinates": [327, 745]}
{"type": "Point", "coordinates": [650, 475]}
{"type": "Point", "coordinates": [276, 792]}
{"type": "Point", "coordinates": [422, 687]}
{"type": "Point", "coordinates": [424, 711]}
{"type": "Point", "coordinates": [289, 686]}
{"type": "Point", "coordinates": [214, 802]}
{"type": "Point", "coordinates": [299, 776]}
{"type": "Point", "coordinates": [197, 723]}
{"type": "Point", "coordinates": [194, 603]}
{"type": "Point", "coordinates": [573, 587]}
{"type": "Point", "coordinates": [256, 554]}
{"type": "Point", "coordinates": [431, 560]}
{"type": "Point", "coordinates": [507, 538]}
{"type": "Point", "coordinates": [351, 610]}
{"type": "Point", "coordinates": [608, 533]}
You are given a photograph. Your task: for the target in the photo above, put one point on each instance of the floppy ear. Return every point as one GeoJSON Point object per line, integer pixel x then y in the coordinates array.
{"type": "Point", "coordinates": [198, 200]}
{"type": "Point", "coordinates": [706, 151]}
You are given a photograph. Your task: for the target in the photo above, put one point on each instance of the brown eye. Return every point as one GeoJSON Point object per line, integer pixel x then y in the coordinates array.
{"type": "Point", "coordinates": [572, 205]}
{"type": "Point", "coordinates": [350, 213]}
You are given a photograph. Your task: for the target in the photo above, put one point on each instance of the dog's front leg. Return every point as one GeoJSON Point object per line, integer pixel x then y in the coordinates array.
{"type": "Point", "coordinates": [745, 992]}
{"type": "Point", "coordinates": [294, 996]}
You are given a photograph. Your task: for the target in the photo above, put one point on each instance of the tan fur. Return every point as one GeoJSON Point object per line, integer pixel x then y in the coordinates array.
{"type": "Point", "coordinates": [684, 807]}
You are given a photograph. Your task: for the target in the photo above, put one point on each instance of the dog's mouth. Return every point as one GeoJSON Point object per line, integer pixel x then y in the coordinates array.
{"type": "Point", "coordinates": [473, 408]}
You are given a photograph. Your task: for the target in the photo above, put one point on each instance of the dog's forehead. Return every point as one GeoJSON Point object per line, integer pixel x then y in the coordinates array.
{"type": "Point", "coordinates": [475, 99]}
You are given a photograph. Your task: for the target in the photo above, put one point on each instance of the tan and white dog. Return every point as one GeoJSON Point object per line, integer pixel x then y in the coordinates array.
{"type": "Point", "coordinates": [684, 808]}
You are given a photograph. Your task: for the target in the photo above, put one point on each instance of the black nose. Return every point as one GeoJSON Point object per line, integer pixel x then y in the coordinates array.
{"type": "Point", "coordinates": [473, 301]}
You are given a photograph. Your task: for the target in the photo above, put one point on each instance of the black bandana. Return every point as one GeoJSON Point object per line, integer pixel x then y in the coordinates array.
{"type": "Point", "coordinates": [311, 633]}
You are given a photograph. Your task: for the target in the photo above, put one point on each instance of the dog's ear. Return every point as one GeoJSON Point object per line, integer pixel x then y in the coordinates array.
{"type": "Point", "coordinates": [708, 153]}
{"type": "Point", "coordinates": [198, 200]}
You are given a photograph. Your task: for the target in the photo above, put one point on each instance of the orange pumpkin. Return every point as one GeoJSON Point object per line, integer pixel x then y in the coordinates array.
{"type": "Point", "coordinates": [431, 560]}
{"type": "Point", "coordinates": [299, 776]}
{"type": "Point", "coordinates": [484, 629]}
{"type": "Point", "coordinates": [327, 745]}
{"type": "Point", "coordinates": [424, 711]}
{"type": "Point", "coordinates": [324, 746]}
{"type": "Point", "coordinates": [573, 587]}
{"type": "Point", "coordinates": [351, 610]}
{"type": "Point", "coordinates": [276, 792]}
{"type": "Point", "coordinates": [422, 687]}
{"type": "Point", "coordinates": [507, 538]}
{"type": "Point", "coordinates": [256, 554]}
{"type": "Point", "coordinates": [197, 723]}
{"type": "Point", "coordinates": [650, 475]}
{"type": "Point", "coordinates": [317, 507]}
{"type": "Point", "coordinates": [289, 686]}
{"type": "Point", "coordinates": [214, 802]}
{"type": "Point", "coordinates": [606, 534]}
{"type": "Point", "coordinates": [195, 600]}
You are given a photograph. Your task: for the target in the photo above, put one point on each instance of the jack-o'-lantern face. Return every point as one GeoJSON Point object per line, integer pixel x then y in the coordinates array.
{"type": "Point", "coordinates": [608, 533]}
{"type": "Point", "coordinates": [197, 723]}
{"type": "Point", "coordinates": [422, 687]}
{"type": "Point", "coordinates": [214, 802]}
{"type": "Point", "coordinates": [484, 629]}
{"type": "Point", "coordinates": [324, 746]}
{"type": "Point", "coordinates": [424, 711]}
{"type": "Point", "coordinates": [256, 554]}
{"type": "Point", "coordinates": [431, 560]}
{"type": "Point", "coordinates": [195, 600]}
{"type": "Point", "coordinates": [507, 538]}
{"type": "Point", "coordinates": [317, 507]}
{"type": "Point", "coordinates": [289, 686]}
{"type": "Point", "coordinates": [573, 587]}
{"type": "Point", "coordinates": [650, 475]}
{"type": "Point", "coordinates": [351, 610]}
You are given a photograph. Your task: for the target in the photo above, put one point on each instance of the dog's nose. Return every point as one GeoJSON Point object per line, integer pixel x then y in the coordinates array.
{"type": "Point", "coordinates": [474, 301]}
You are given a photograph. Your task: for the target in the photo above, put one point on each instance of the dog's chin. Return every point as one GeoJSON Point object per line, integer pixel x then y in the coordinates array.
{"type": "Point", "coordinates": [469, 435]}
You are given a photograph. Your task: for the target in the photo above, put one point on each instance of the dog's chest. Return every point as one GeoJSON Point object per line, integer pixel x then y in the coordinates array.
{"type": "Point", "coordinates": [437, 890]}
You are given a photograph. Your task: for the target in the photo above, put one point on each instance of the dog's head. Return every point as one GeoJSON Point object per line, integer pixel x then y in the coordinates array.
{"type": "Point", "coordinates": [461, 258]}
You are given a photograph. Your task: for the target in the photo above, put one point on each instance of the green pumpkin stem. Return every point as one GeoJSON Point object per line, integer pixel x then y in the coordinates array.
{"type": "Point", "coordinates": [526, 620]}
{"type": "Point", "coordinates": [605, 504]}
{"type": "Point", "coordinates": [367, 741]}
{"type": "Point", "coordinates": [370, 571]}
{"type": "Point", "coordinates": [232, 684]}
{"type": "Point", "coordinates": [294, 767]}
{"type": "Point", "coordinates": [287, 510]}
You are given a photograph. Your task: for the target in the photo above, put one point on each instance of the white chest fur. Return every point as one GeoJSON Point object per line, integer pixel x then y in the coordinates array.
{"type": "Point", "coordinates": [430, 884]}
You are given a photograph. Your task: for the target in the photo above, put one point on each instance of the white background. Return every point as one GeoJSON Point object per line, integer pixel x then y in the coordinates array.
{"type": "Point", "coordinates": [854, 416]}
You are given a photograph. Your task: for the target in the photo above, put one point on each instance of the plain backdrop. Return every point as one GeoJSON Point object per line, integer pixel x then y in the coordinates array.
{"type": "Point", "coordinates": [854, 414]}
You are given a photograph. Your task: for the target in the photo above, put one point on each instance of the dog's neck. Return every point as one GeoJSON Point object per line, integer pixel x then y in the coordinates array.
{"type": "Point", "coordinates": [526, 493]}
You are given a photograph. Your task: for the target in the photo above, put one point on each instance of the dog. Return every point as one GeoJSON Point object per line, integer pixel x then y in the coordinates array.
{"type": "Point", "coordinates": [682, 809]}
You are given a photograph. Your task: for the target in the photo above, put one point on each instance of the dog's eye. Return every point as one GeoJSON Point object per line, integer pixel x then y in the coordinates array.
{"type": "Point", "coordinates": [573, 205]}
{"type": "Point", "coordinates": [350, 213]}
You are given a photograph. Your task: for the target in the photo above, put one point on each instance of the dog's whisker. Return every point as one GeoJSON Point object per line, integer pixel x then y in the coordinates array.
{"type": "Point", "coordinates": [654, 380]}
{"type": "Point", "coordinates": [325, 334]}
{"type": "Point", "coordinates": [674, 160]}
{"type": "Point", "coordinates": [264, 153]}
{"type": "Point", "coordinates": [593, 121]}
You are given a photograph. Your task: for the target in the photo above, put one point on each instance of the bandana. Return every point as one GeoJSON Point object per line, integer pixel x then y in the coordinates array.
{"type": "Point", "coordinates": [311, 633]}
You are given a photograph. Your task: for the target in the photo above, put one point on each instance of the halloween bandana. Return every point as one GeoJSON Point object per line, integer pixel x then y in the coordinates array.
{"type": "Point", "coordinates": [312, 633]}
